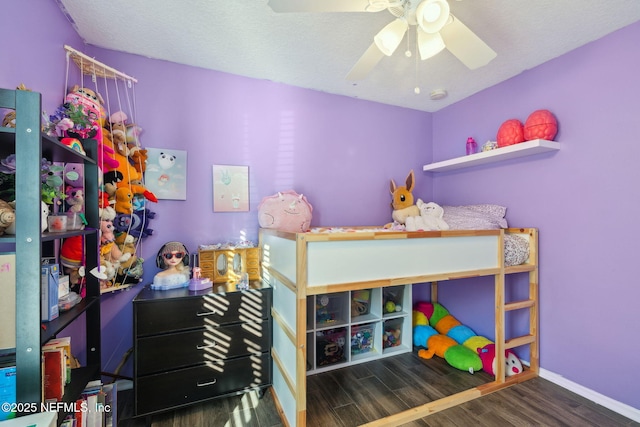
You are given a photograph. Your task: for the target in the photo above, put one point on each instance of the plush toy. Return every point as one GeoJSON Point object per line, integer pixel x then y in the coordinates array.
{"type": "Point", "coordinates": [74, 144]}
{"type": "Point", "coordinates": [75, 199]}
{"type": "Point", "coordinates": [444, 323]}
{"type": "Point", "coordinates": [7, 216]}
{"type": "Point", "coordinates": [430, 218]}
{"type": "Point", "coordinates": [488, 357]}
{"type": "Point", "coordinates": [456, 355]}
{"type": "Point", "coordinates": [139, 158]}
{"type": "Point", "coordinates": [402, 200]}
{"type": "Point", "coordinates": [73, 174]}
{"type": "Point", "coordinates": [136, 224]}
{"type": "Point", "coordinates": [44, 214]}
{"type": "Point", "coordinates": [124, 198]}
{"type": "Point", "coordinates": [286, 211]}
{"type": "Point", "coordinates": [73, 263]}
{"type": "Point", "coordinates": [9, 120]}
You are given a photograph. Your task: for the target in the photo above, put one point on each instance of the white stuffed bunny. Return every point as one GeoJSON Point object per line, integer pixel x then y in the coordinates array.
{"type": "Point", "coordinates": [430, 218]}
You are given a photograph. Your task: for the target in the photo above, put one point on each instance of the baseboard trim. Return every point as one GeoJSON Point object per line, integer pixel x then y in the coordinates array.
{"type": "Point", "coordinates": [619, 407]}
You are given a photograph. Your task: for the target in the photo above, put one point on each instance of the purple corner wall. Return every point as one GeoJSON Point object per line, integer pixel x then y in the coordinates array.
{"type": "Point", "coordinates": [583, 199]}
{"type": "Point", "coordinates": [341, 153]}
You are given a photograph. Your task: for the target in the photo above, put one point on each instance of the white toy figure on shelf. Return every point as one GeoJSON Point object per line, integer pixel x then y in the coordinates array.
{"type": "Point", "coordinates": [430, 218]}
{"type": "Point", "coordinates": [173, 259]}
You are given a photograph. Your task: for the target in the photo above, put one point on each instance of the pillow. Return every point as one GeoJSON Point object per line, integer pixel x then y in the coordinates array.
{"type": "Point", "coordinates": [516, 249]}
{"type": "Point", "coordinates": [475, 217]}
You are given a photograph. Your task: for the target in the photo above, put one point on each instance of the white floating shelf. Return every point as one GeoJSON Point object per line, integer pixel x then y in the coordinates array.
{"type": "Point", "coordinates": [522, 149]}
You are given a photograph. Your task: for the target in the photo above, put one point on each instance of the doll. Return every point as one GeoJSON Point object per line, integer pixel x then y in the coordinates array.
{"type": "Point", "coordinates": [173, 259]}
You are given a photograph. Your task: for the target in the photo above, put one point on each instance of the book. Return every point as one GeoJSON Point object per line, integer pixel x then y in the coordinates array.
{"type": "Point", "coordinates": [7, 391]}
{"type": "Point", "coordinates": [53, 378]}
{"type": "Point", "coordinates": [65, 344]}
{"type": "Point", "coordinates": [8, 300]}
{"type": "Point", "coordinates": [49, 275]}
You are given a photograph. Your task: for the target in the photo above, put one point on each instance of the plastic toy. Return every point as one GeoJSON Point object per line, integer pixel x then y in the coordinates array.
{"type": "Point", "coordinates": [541, 124]}
{"type": "Point", "coordinates": [510, 132]}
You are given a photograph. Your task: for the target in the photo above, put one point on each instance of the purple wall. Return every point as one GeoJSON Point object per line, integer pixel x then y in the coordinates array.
{"type": "Point", "coordinates": [336, 151]}
{"type": "Point", "coordinates": [333, 149]}
{"type": "Point", "coordinates": [582, 199]}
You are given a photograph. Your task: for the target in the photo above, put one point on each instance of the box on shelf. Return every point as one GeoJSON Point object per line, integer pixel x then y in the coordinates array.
{"type": "Point", "coordinates": [63, 285]}
{"type": "Point", "coordinates": [362, 338]}
{"type": "Point", "coordinates": [330, 308]}
{"type": "Point", "coordinates": [330, 346]}
{"type": "Point", "coordinates": [360, 302]}
{"type": "Point", "coordinates": [392, 299]}
{"type": "Point", "coordinates": [392, 335]}
{"type": "Point", "coordinates": [49, 275]}
{"type": "Point", "coordinates": [7, 391]}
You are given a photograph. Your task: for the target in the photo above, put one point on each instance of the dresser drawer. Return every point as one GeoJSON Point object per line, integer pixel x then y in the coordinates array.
{"type": "Point", "coordinates": [171, 315]}
{"type": "Point", "coordinates": [172, 351]}
{"type": "Point", "coordinates": [164, 391]}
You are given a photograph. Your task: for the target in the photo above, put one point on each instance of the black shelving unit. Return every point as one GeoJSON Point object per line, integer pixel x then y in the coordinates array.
{"type": "Point", "coordinates": [30, 146]}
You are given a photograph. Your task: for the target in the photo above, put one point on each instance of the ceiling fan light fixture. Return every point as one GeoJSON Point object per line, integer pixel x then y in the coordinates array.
{"type": "Point", "coordinates": [432, 15]}
{"type": "Point", "coordinates": [429, 44]}
{"type": "Point", "coordinates": [389, 38]}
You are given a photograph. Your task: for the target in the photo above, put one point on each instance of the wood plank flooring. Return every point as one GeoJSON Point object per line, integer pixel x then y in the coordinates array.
{"type": "Point", "coordinates": [362, 393]}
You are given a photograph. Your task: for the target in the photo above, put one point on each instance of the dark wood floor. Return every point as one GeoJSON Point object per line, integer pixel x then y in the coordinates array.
{"type": "Point", "coordinates": [362, 393]}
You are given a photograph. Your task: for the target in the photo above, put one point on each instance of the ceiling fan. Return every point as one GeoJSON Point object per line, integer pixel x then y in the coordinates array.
{"type": "Point", "coordinates": [436, 29]}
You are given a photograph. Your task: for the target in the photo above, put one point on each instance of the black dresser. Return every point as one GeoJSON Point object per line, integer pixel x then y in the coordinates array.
{"type": "Point", "coordinates": [193, 346]}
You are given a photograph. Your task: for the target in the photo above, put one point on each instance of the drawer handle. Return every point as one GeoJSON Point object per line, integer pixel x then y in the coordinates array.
{"type": "Point", "coordinates": [202, 347]}
{"type": "Point", "coordinates": [207, 383]}
{"type": "Point", "coordinates": [207, 313]}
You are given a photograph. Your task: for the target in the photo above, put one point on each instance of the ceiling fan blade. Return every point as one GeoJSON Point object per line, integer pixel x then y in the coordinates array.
{"type": "Point", "coordinates": [322, 6]}
{"type": "Point", "coordinates": [465, 45]}
{"type": "Point", "coordinates": [365, 64]}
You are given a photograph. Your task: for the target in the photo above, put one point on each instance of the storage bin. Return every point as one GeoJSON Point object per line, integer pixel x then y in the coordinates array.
{"type": "Point", "coordinates": [392, 336]}
{"type": "Point", "coordinates": [362, 338]}
{"type": "Point", "coordinates": [392, 299]}
{"type": "Point", "coordinates": [331, 309]}
{"type": "Point", "coordinates": [330, 346]}
{"type": "Point", "coordinates": [360, 302]}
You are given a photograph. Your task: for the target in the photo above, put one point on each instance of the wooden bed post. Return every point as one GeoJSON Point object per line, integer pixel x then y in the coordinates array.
{"type": "Point", "coordinates": [434, 292]}
{"type": "Point", "coordinates": [301, 330]}
{"type": "Point", "coordinates": [500, 316]}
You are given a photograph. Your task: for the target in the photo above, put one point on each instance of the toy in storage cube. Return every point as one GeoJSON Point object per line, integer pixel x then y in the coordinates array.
{"type": "Point", "coordinates": [392, 336]}
{"type": "Point", "coordinates": [330, 346]}
{"type": "Point", "coordinates": [362, 338]}
{"type": "Point", "coordinates": [360, 302]}
{"type": "Point", "coordinates": [392, 299]}
{"type": "Point", "coordinates": [331, 309]}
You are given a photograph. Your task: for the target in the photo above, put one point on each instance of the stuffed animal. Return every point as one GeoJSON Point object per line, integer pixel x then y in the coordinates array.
{"type": "Point", "coordinates": [456, 355]}
{"type": "Point", "coordinates": [488, 357]}
{"type": "Point", "coordinates": [44, 214]}
{"type": "Point", "coordinates": [7, 216]}
{"type": "Point", "coordinates": [286, 211]}
{"type": "Point", "coordinates": [124, 198]}
{"type": "Point", "coordinates": [136, 224]}
{"type": "Point", "coordinates": [444, 323]}
{"type": "Point", "coordinates": [430, 218]}
{"type": "Point", "coordinates": [402, 200]}
{"type": "Point", "coordinates": [75, 199]}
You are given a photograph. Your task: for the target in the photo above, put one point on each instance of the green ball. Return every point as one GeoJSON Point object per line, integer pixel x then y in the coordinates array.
{"type": "Point", "coordinates": [390, 306]}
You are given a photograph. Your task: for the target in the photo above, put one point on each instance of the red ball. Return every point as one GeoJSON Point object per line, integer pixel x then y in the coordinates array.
{"type": "Point", "coordinates": [541, 124]}
{"type": "Point", "coordinates": [510, 132]}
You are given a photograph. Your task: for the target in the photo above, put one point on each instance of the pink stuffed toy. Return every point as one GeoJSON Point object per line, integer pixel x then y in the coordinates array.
{"type": "Point", "coordinates": [488, 358]}
{"type": "Point", "coordinates": [286, 211]}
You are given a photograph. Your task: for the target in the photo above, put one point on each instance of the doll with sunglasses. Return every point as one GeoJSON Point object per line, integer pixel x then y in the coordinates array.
{"type": "Point", "coordinates": [173, 259]}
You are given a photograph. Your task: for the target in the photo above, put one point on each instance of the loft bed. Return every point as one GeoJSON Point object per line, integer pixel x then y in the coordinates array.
{"type": "Point", "coordinates": [303, 268]}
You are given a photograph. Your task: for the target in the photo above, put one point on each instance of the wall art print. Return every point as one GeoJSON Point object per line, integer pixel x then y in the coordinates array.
{"type": "Point", "coordinates": [230, 188]}
{"type": "Point", "coordinates": [166, 173]}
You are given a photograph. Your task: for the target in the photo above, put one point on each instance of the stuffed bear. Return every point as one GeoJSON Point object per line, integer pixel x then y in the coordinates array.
{"type": "Point", "coordinates": [430, 218]}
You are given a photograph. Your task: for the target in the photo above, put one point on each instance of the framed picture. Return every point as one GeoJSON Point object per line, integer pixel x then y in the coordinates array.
{"type": "Point", "coordinates": [230, 188]}
{"type": "Point", "coordinates": [166, 173]}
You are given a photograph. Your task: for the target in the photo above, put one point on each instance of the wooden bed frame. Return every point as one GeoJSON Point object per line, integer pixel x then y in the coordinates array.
{"type": "Point", "coordinates": [298, 265]}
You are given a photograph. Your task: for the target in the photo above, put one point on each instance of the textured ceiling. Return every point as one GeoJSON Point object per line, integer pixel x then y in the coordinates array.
{"type": "Point", "coordinates": [317, 50]}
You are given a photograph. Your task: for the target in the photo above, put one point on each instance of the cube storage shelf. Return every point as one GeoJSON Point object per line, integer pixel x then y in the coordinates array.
{"type": "Point", "coordinates": [350, 327]}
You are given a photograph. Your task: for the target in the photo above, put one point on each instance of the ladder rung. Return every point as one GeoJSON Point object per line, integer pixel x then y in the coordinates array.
{"type": "Point", "coordinates": [519, 341]}
{"type": "Point", "coordinates": [517, 305]}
